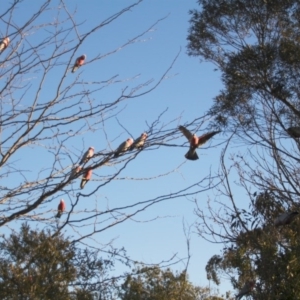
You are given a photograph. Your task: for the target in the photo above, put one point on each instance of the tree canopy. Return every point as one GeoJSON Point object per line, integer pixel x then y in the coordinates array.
{"type": "Point", "coordinates": [255, 48]}
{"type": "Point", "coordinates": [157, 284]}
{"type": "Point", "coordinates": [36, 265]}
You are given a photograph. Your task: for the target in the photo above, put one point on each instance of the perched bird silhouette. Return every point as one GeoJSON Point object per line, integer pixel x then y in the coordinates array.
{"type": "Point", "coordinates": [61, 208]}
{"type": "Point", "coordinates": [246, 289]}
{"type": "Point", "coordinates": [195, 141]}
{"type": "Point", "coordinates": [285, 218]}
{"type": "Point", "coordinates": [86, 177]}
{"type": "Point", "coordinates": [78, 63]}
{"type": "Point", "coordinates": [294, 131]}
{"type": "Point", "coordinates": [4, 44]}
{"type": "Point", "coordinates": [139, 142]}
{"type": "Point", "coordinates": [75, 170]}
{"type": "Point", "coordinates": [123, 147]}
{"type": "Point", "coordinates": [87, 155]}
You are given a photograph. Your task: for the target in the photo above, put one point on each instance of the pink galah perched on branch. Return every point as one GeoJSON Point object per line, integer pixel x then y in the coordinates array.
{"type": "Point", "coordinates": [78, 63]}
{"type": "Point", "coordinates": [86, 177]}
{"type": "Point", "coordinates": [87, 155]}
{"type": "Point", "coordinates": [139, 142]}
{"type": "Point", "coordinates": [285, 218]}
{"type": "Point", "coordinates": [61, 208]}
{"type": "Point", "coordinates": [195, 141]}
{"type": "Point", "coordinates": [246, 289]}
{"type": "Point", "coordinates": [124, 147]}
{"type": "Point", "coordinates": [4, 44]}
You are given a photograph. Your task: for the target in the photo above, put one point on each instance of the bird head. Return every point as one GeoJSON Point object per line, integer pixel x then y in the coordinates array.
{"type": "Point", "coordinates": [144, 135]}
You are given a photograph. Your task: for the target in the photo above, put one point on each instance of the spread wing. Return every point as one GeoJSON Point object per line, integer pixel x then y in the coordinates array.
{"type": "Point", "coordinates": [185, 132]}
{"type": "Point", "coordinates": [205, 137]}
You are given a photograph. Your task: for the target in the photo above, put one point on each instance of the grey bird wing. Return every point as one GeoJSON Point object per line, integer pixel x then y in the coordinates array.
{"type": "Point", "coordinates": [205, 137]}
{"type": "Point", "coordinates": [185, 132]}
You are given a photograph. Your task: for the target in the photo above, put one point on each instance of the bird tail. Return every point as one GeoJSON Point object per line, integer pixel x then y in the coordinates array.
{"type": "Point", "coordinates": [58, 215]}
{"type": "Point", "coordinates": [117, 154]}
{"type": "Point", "coordinates": [192, 155]}
{"type": "Point", "coordinates": [83, 183]}
{"type": "Point", "coordinates": [74, 69]}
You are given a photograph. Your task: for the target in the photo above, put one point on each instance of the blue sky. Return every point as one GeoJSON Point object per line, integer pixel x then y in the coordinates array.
{"type": "Point", "coordinates": [187, 92]}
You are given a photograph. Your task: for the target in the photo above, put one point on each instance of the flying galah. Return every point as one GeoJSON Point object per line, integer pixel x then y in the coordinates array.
{"type": "Point", "coordinates": [139, 142]}
{"type": "Point", "coordinates": [123, 147]}
{"type": "Point", "coordinates": [195, 141]}
{"type": "Point", "coordinates": [247, 288]}
{"type": "Point", "coordinates": [285, 218]}
{"type": "Point", "coordinates": [61, 208]}
{"type": "Point", "coordinates": [87, 155]}
{"type": "Point", "coordinates": [75, 170]}
{"type": "Point", "coordinates": [78, 63]}
{"type": "Point", "coordinates": [294, 132]}
{"type": "Point", "coordinates": [86, 177]}
{"type": "Point", "coordinates": [4, 44]}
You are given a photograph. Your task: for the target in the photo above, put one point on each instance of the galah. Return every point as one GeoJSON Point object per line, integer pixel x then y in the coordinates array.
{"type": "Point", "coordinates": [195, 141]}
{"type": "Point", "coordinates": [61, 208]}
{"type": "Point", "coordinates": [285, 218]}
{"type": "Point", "coordinates": [246, 289]}
{"type": "Point", "coordinates": [86, 177]}
{"type": "Point", "coordinates": [123, 147]}
{"type": "Point", "coordinates": [78, 63]}
{"type": "Point", "coordinates": [139, 142]}
{"type": "Point", "coordinates": [4, 44]}
{"type": "Point", "coordinates": [294, 131]}
{"type": "Point", "coordinates": [75, 170]}
{"type": "Point", "coordinates": [87, 155]}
